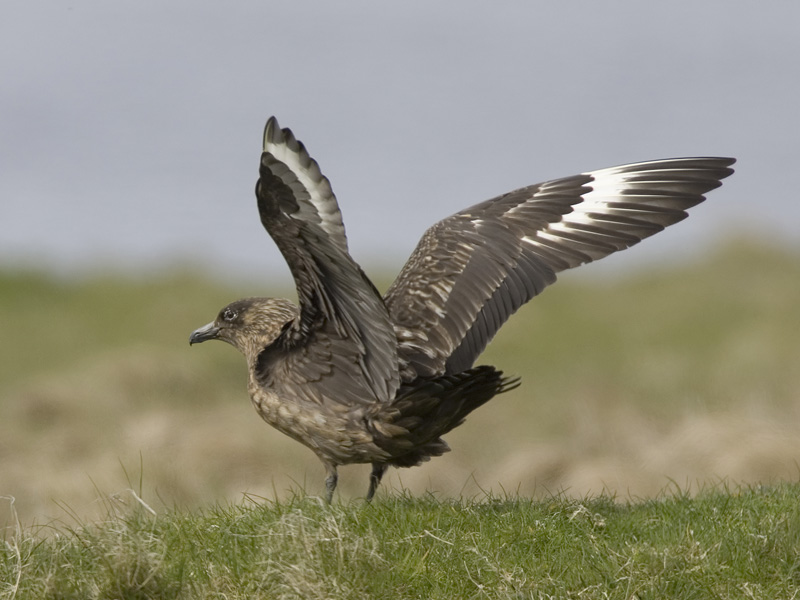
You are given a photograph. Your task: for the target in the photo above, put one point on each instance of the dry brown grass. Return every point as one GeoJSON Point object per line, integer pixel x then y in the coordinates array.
{"type": "Point", "coordinates": [687, 376]}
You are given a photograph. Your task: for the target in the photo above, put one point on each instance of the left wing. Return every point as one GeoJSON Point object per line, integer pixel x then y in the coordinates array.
{"type": "Point", "coordinates": [471, 271]}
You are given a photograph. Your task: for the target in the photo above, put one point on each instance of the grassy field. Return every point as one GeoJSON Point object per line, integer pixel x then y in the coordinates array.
{"type": "Point", "coordinates": [720, 544]}
{"type": "Point", "coordinates": [685, 374]}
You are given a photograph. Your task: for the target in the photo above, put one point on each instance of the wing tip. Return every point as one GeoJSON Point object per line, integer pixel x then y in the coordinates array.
{"type": "Point", "coordinates": [728, 163]}
{"type": "Point", "coordinates": [272, 133]}
{"type": "Point", "coordinates": [725, 164]}
{"type": "Point", "coordinates": [714, 167]}
{"type": "Point", "coordinates": [275, 136]}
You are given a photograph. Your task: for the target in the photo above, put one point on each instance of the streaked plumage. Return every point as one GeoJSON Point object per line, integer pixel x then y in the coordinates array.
{"type": "Point", "coordinates": [363, 379]}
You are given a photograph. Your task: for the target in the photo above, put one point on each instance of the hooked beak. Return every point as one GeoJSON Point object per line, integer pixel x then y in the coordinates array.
{"type": "Point", "coordinates": [206, 332]}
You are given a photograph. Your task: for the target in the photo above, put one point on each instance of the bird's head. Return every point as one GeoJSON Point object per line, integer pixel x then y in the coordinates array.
{"type": "Point", "coordinates": [248, 325]}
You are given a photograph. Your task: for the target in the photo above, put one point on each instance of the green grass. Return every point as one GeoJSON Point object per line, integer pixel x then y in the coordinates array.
{"type": "Point", "coordinates": [719, 544]}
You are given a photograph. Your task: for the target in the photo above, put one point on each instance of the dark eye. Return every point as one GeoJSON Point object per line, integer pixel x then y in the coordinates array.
{"type": "Point", "coordinates": [229, 314]}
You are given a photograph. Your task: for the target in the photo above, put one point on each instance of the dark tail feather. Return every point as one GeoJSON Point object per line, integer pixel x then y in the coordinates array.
{"type": "Point", "coordinates": [410, 428]}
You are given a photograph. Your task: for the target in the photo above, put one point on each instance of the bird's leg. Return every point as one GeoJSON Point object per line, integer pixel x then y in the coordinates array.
{"type": "Point", "coordinates": [330, 481]}
{"type": "Point", "coordinates": [378, 470]}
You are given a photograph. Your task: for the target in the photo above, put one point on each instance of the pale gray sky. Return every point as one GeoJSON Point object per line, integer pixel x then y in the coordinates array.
{"type": "Point", "coordinates": [130, 131]}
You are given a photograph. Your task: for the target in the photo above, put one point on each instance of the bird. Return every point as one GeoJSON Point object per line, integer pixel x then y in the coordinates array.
{"type": "Point", "coordinates": [360, 377]}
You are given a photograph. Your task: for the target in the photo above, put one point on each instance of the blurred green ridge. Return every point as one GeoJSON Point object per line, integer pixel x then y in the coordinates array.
{"type": "Point", "coordinates": [694, 362]}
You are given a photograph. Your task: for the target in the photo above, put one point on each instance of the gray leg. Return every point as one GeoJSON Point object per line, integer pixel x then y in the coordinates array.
{"type": "Point", "coordinates": [375, 478]}
{"type": "Point", "coordinates": [330, 481]}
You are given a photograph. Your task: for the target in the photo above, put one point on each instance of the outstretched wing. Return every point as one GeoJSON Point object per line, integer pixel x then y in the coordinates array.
{"type": "Point", "coordinates": [472, 270]}
{"type": "Point", "coordinates": [340, 310]}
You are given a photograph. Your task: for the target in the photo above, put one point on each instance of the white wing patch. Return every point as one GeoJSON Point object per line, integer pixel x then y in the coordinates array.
{"type": "Point", "coordinates": [607, 186]}
{"type": "Point", "coordinates": [622, 205]}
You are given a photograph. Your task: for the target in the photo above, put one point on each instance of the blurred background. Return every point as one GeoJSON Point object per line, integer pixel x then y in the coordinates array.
{"type": "Point", "coordinates": [129, 144]}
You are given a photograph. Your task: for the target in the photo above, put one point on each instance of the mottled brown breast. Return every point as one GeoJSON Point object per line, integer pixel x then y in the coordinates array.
{"type": "Point", "coordinates": [337, 436]}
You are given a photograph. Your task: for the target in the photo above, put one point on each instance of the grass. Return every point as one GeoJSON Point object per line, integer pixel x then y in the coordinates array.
{"type": "Point", "coordinates": [685, 373]}
{"type": "Point", "coordinates": [721, 543]}
{"type": "Point", "coordinates": [133, 467]}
